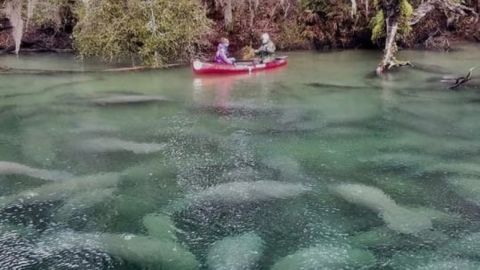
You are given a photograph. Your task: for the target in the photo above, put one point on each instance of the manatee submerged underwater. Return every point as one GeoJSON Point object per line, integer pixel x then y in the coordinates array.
{"type": "Point", "coordinates": [240, 252]}
{"type": "Point", "coordinates": [396, 217]}
{"type": "Point", "coordinates": [12, 168]}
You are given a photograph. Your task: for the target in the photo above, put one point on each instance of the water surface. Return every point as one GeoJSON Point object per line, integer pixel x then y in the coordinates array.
{"type": "Point", "coordinates": [141, 186]}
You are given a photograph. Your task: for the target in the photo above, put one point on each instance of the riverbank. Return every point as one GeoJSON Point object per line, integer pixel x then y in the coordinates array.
{"type": "Point", "coordinates": [293, 25]}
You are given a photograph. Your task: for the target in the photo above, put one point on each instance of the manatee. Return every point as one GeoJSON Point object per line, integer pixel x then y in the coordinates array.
{"type": "Point", "coordinates": [378, 237]}
{"type": "Point", "coordinates": [63, 190]}
{"type": "Point", "coordinates": [84, 200]}
{"type": "Point", "coordinates": [94, 128]}
{"type": "Point", "coordinates": [128, 99]}
{"type": "Point", "coordinates": [240, 192]}
{"type": "Point", "coordinates": [107, 145]}
{"type": "Point", "coordinates": [326, 257]}
{"type": "Point", "coordinates": [160, 227]}
{"type": "Point", "coordinates": [406, 221]}
{"type": "Point", "coordinates": [236, 252]}
{"type": "Point", "coordinates": [288, 167]}
{"type": "Point", "coordinates": [468, 188]}
{"type": "Point", "coordinates": [147, 251]}
{"type": "Point", "coordinates": [11, 168]}
{"type": "Point", "coordinates": [396, 217]}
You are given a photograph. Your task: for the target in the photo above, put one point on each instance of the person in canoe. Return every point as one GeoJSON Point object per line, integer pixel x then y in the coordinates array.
{"type": "Point", "coordinates": [221, 57]}
{"type": "Point", "coordinates": [267, 49]}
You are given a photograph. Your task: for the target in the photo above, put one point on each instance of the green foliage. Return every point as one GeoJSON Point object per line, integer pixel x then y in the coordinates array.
{"type": "Point", "coordinates": [406, 12]}
{"type": "Point", "coordinates": [291, 36]}
{"type": "Point", "coordinates": [378, 22]}
{"type": "Point", "coordinates": [378, 26]}
{"type": "Point", "coordinates": [320, 6]}
{"type": "Point", "coordinates": [324, 7]}
{"type": "Point", "coordinates": [157, 31]}
{"type": "Point", "coordinates": [48, 12]}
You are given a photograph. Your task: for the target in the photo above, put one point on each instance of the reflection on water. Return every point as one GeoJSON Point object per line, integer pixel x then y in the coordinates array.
{"type": "Point", "coordinates": [315, 166]}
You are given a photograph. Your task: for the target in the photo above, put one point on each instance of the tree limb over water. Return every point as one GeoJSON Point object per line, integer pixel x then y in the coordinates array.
{"type": "Point", "coordinates": [398, 16]}
{"type": "Point", "coordinates": [21, 71]}
{"type": "Point", "coordinates": [459, 81]}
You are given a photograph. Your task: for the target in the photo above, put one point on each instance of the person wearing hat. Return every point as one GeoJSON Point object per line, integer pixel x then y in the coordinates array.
{"type": "Point", "coordinates": [221, 57]}
{"type": "Point", "coordinates": [267, 49]}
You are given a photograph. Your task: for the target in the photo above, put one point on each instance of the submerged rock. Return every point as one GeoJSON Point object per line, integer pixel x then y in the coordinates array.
{"type": "Point", "coordinates": [236, 252]}
{"type": "Point", "coordinates": [396, 217]}
{"type": "Point", "coordinates": [108, 145]}
{"type": "Point", "coordinates": [11, 168]}
{"type": "Point", "coordinates": [328, 257]}
{"type": "Point", "coordinates": [128, 99]}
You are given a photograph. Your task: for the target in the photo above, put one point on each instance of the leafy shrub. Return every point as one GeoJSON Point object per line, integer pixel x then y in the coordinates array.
{"type": "Point", "coordinates": [157, 31]}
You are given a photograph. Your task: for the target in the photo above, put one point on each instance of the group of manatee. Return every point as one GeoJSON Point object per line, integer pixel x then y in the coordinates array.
{"type": "Point", "coordinates": [161, 248]}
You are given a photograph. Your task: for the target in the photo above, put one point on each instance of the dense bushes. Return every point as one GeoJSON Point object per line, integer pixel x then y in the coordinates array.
{"type": "Point", "coordinates": [157, 31]}
{"type": "Point", "coordinates": [334, 24]}
{"type": "Point", "coordinates": [244, 20]}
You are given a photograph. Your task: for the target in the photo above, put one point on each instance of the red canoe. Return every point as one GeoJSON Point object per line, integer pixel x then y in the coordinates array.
{"type": "Point", "coordinates": [245, 67]}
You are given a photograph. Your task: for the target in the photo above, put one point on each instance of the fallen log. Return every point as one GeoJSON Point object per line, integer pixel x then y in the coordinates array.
{"type": "Point", "coordinates": [15, 71]}
{"type": "Point", "coordinates": [462, 80]}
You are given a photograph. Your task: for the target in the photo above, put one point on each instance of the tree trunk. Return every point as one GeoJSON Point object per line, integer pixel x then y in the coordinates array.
{"type": "Point", "coordinates": [13, 10]}
{"type": "Point", "coordinates": [390, 45]}
{"type": "Point", "coordinates": [391, 11]}
{"type": "Point", "coordinates": [354, 7]}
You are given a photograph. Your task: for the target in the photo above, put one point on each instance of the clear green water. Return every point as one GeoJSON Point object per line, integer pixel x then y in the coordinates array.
{"type": "Point", "coordinates": [408, 144]}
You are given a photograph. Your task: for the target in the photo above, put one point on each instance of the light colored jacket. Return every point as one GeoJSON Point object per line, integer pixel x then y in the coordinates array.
{"type": "Point", "coordinates": [267, 48]}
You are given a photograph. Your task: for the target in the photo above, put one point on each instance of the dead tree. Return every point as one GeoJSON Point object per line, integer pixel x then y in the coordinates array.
{"type": "Point", "coordinates": [459, 81]}
{"type": "Point", "coordinates": [393, 17]}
